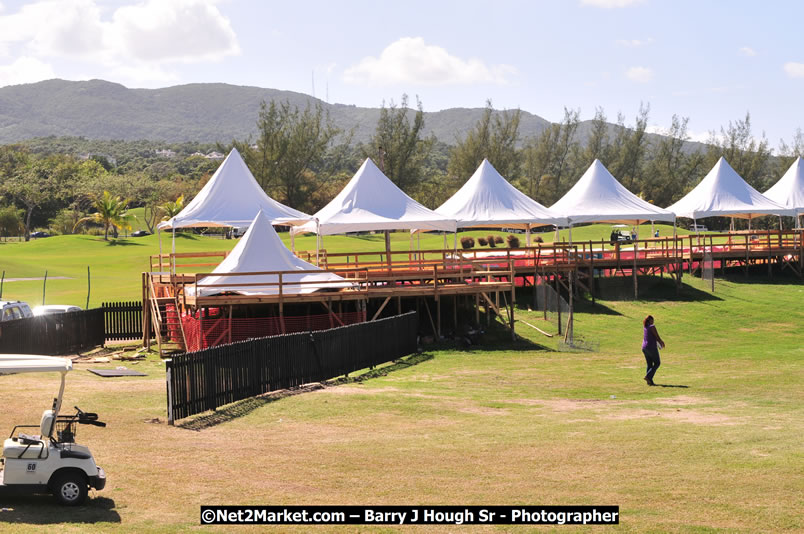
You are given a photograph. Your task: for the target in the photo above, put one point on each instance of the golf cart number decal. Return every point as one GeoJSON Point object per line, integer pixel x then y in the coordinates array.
{"type": "Point", "coordinates": [31, 467]}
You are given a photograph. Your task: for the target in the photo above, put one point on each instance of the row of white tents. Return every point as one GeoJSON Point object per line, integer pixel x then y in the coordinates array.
{"type": "Point", "coordinates": [370, 201]}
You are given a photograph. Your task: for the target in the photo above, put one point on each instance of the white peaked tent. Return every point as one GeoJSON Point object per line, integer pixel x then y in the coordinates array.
{"type": "Point", "coordinates": [370, 201]}
{"type": "Point", "coordinates": [789, 190]}
{"type": "Point", "coordinates": [232, 197]}
{"type": "Point", "coordinates": [723, 193]}
{"type": "Point", "coordinates": [261, 250]}
{"type": "Point", "coordinates": [488, 199]}
{"type": "Point", "coordinates": [599, 197]}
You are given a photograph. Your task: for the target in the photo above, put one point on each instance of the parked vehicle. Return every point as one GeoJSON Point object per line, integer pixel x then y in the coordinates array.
{"type": "Point", "coordinates": [51, 461]}
{"type": "Point", "coordinates": [40, 234]}
{"type": "Point", "coordinates": [14, 309]}
{"type": "Point", "coordinates": [619, 236]}
{"type": "Point", "coordinates": [53, 309]}
{"type": "Point", "coordinates": [140, 233]}
{"type": "Point", "coordinates": [698, 228]}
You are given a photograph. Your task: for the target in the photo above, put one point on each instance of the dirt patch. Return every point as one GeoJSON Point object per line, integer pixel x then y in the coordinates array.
{"type": "Point", "coordinates": [561, 405]}
{"type": "Point", "coordinates": [700, 418]}
{"type": "Point", "coordinates": [680, 400]}
{"type": "Point", "coordinates": [358, 390]}
{"type": "Point", "coordinates": [474, 409]}
{"type": "Point", "coordinates": [627, 415]}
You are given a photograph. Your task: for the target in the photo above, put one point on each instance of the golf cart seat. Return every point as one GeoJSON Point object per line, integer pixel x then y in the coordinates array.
{"type": "Point", "coordinates": [32, 447]}
{"type": "Point", "coordinates": [25, 447]}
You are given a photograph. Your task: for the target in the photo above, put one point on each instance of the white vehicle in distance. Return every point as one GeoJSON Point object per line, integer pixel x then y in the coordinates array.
{"type": "Point", "coordinates": [53, 309]}
{"type": "Point", "coordinates": [14, 309]}
{"type": "Point", "coordinates": [698, 228]}
{"type": "Point", "coordinates": [50, 461]}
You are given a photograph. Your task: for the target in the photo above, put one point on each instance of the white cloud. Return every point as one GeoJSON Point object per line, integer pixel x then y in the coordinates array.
{"type": "Point", "coordinates": [25, 70]}
{"type": "Point", "coordinates": [136, 38]}
{"type": "Point", "coordinates": [179, 30]}
{"type": "Point", "coordinates": [634, 43]}
{"type": "Point", "coordinates": [748, 51]}
{"type": "Point", "coordinates": [639, 74]}
{"type": "Point", "coordinates": [610, 4]}
{"type": "Point", "coordinates": [794, 70]}
{"type": "Point", "coordinates": [411, 60]}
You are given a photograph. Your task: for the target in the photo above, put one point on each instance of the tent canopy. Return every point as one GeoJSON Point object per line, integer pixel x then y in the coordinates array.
{"type": "Point", "coordinates": [789, 190]}
{"type": "Point", "coordinates": [599, 197]}
{"type": "Point", "coordinates": [370, 201]}
{"type": "Point", "coordinates": [488, 199]}
{"type": "Point", "coordinates": [232, 197]}
{"type": "Point", "coordinates": [261, 250]}
{"type": "Point", "coordinates": [723, 193]}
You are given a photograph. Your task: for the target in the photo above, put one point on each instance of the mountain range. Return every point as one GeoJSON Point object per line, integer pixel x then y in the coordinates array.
{"type": "Point", "coordinates": [203, 112]}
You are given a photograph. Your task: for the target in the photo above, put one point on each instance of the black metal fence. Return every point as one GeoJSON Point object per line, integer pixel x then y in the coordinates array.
{"type": "Point", "coordinates": [62, 333]}
{"type": "Point", "coordinates": [123, 320]}
{"type": "Point", "coordinates": [203, 380]}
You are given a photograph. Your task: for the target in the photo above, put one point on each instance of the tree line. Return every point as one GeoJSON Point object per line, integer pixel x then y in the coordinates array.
{"type": "Point", "coordinates": [301, 159]}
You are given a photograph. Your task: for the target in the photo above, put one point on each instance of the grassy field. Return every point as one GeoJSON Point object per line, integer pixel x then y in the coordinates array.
{"type": "Point", "coordinates": [716, 448]}
{"type": "Point", "coordinates": [115, 265]}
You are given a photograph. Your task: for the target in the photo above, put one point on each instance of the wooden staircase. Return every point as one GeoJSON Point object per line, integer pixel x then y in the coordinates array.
{"type": "Point", "coordinates": [166, 318]}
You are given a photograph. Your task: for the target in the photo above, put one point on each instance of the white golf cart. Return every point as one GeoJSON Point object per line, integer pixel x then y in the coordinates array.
{"type": "Point", "coordinates": [50, 462]}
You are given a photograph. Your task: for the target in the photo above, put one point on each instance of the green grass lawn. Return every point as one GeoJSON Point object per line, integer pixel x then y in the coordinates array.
{"type": "Point", "coordinates": [715, 448]}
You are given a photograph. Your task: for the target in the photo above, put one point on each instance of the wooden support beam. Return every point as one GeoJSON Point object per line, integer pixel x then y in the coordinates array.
{"type": "Point", "coordinates": [490, 303]}
{"type": "Point", "coordinates": [382, 307]}
{"type": "Point", "coordinates": [430, 315]}
{"type": "Point", "coordinates": [328, 305]}
{"type": "Point", "coordinates": [438, 316]}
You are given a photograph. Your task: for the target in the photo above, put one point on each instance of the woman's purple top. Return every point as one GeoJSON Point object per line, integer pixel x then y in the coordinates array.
{"type": "Point", "coordinates": [648, 338]}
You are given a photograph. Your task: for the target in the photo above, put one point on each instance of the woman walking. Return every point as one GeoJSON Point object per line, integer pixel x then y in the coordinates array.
{"type": "Point", "coordinates": [650, 339]}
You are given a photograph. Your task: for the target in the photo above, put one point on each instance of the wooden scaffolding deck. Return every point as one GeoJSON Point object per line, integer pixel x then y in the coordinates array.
{"type": "Point", "coordinates": [172, 286]}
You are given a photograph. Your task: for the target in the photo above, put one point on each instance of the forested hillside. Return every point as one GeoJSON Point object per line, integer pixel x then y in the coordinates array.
{"type": "Point", "coordinates": [144, 152]}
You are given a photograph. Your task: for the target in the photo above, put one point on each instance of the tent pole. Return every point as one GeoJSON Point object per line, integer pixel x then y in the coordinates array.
{"type": "Point", "coordinates": [570, 235]}
{"type": "Point", "coordinates": [388, 250]}
{"type": "Point", "coordinates": [780, 223]}
{"type": "Point", "coordinates": [159, 235]}
{"type": "Point", "coordinates": [527, 235]}
{"type": "Point", "coordinates": [749, 222]}
{"type": "Point", "coordinates": [292, 241]}
{"type": "Point", "coordinates": [173, 258]}
{"type": "Point", "coordinates": [317, 241]}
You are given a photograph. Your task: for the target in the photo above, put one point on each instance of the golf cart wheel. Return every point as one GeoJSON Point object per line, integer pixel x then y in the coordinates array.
{"type": "Point", "coordinates": [70, 489]}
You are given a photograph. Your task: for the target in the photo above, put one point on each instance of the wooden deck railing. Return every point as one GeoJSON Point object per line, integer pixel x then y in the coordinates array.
{"type": "Point", "coordinates": [408, 263]}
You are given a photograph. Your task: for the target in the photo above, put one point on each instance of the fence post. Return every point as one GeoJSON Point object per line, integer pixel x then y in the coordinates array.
{"type": "Point", "coordinates": [168, 379]}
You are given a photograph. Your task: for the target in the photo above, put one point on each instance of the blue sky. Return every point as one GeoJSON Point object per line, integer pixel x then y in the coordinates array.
{"type": "Point", "coordinates": [711, 61]}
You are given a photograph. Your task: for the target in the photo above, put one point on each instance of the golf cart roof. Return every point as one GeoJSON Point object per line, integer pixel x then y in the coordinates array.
{"type": "Point", "coordinates": [29, 363]}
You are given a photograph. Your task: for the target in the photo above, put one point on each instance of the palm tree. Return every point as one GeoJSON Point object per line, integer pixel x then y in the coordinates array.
{"type": "Point", "coordinates": [110, 212]}
{"type": "Point", "coordinates": [172, 208]}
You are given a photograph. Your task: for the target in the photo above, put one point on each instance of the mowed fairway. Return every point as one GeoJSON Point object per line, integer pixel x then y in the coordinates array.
{"type": "Point", "coordinates": [719, 448]}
